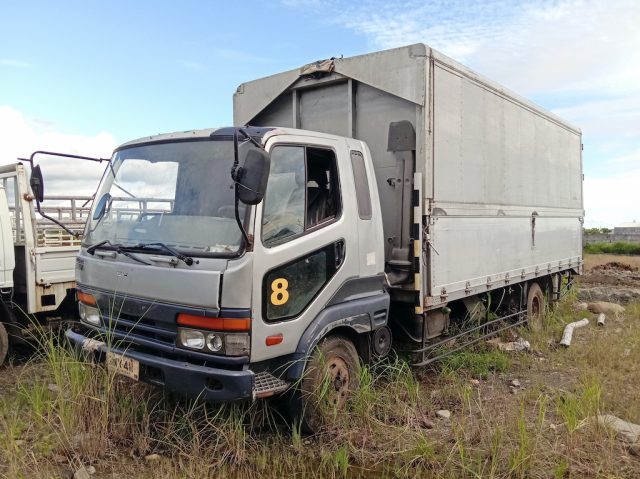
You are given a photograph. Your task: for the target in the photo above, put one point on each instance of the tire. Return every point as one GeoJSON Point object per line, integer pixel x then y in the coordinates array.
{"type": "Point", "coordinates": [535, 307]}
{"type": "Point", "coordinates": [336, 359]}
{"type": "Point", "coordinates": [4, 343]}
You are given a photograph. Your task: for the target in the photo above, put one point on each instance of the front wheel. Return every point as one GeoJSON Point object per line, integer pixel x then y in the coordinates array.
{"type": "Point", "coordinates": [330, 378]}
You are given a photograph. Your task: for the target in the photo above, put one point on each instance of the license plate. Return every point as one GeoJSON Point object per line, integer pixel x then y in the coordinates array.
{"type": "Point", "coordinates": [123, 365]}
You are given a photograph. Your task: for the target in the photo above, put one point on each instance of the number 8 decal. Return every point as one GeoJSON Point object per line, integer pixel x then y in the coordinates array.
{"type": "Point", "coordinates": [279, 295]}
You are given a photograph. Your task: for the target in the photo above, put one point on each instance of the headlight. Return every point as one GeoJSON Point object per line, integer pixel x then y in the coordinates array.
{"type": "Point", "coordinates": [89, 314]}
{"type": "Point", "coordinates": [191, 338]}
{"type": "Point", "coordinates": [214, 342]}
{"type": "Point", "coordinates": [229, 344]}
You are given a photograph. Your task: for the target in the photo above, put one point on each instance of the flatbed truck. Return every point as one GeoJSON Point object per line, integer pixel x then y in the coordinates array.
{"type": "Point", "coordinates": [37, 258]}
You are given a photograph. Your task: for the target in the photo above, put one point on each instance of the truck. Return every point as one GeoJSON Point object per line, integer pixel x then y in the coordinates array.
{"type": "Point", "coordinates": [37, 254]}
{"type": "Point", "coordinates": [390, 199]}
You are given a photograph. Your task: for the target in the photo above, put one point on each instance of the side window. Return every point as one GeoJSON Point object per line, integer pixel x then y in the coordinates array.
{"type": "Point", "coordinates": [322, 186]}
{"type": "Point", "coordinates": [362, 185]}
{"type": "Point", "coordinates": [302, 192]}
{"type": "Point", "coordinates": [288, 289]}
{"type": "Point", "coordinates": [284, 202]}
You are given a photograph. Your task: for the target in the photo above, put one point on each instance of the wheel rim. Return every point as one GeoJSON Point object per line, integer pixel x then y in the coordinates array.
{"type": "Point", "coordinates": [535, 307]}
{"type": "Point", "coordinates": [339, 380]}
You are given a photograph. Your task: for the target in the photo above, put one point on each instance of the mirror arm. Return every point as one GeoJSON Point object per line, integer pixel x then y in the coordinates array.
{"type": "Point", "coordinates": [64, 155]}
{"type": "Point", "coordinates": [236, 161]}
{"type": "Point", "coordinates": [251, 139]}
{"type": "Point", "coordinates": [72, 233]}
{"type": "Point", "coordinates": [90, 199]}
{"type": "Point", "coordinates": [235, 175]}
{"type": "Point", "coordinates": [239, 221]}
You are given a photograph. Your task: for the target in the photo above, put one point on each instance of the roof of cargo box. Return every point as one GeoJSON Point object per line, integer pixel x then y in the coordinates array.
{"type": "Point", "coordinates": [399, 71]}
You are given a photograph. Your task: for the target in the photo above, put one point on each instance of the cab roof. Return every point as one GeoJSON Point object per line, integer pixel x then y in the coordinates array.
{"type": "Point", "coordinates": [213, 133]}
{"type": "Point", "coordinates": [260, 134]}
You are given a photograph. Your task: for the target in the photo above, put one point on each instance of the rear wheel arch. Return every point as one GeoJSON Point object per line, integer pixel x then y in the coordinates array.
{"type": "Point", "coordinates": [351, 319]}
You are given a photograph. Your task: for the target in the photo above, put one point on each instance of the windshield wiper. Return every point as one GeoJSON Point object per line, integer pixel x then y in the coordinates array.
{"type": "Point", "coordinates": [188, 260]}
{"type": "Point", "coordinates": [119, 249]}
{"type": "Point", "coordinates": [124, 252]}
{"type": "Point", "coordinates": [92, 249]}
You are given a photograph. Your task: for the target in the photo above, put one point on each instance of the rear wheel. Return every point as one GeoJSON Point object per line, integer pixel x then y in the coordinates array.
{"type": "Point", "coordinates": [331, 377]}
{"type": "Point", "coordinates": [535, 306]}
{"type": "Point", "coordinates": [4, 343]}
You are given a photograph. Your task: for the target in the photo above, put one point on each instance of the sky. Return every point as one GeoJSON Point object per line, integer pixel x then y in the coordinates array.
{"type": "Point", "coordinates": [85, 76]}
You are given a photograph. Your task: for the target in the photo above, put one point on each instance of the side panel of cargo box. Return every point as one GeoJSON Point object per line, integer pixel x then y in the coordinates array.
{"type": "Point", "coordinates": [501, 179]}
{"type": "Point", "coordinates": [507, 184]}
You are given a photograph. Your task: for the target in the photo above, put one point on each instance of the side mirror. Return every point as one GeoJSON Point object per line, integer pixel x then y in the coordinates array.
{"type": "Point", "coordinates": [37, 183]}
{"type": "Point", "coordinates": [252, 179]}
{"type": "Point", "coordinates": [101, 206]}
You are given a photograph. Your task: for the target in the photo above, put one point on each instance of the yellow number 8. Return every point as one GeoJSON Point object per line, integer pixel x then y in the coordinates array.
{"type": "Point", "coordinates": [280, 295]}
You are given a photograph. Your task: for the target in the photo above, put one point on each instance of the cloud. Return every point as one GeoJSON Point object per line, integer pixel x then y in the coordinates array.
{"type": "Point", "coordinates": [631, 158]}
{"type": "Point", "coordinates": [20, 136]}
{"type": "Point", "coordinates": [612, 200]}
{"type": "Point", "coordinates": [9, 62]}
{"type": "Point", "coordinates": [590, 47]}
{"type": "Point", "coordinates": [457, 29]}
{"type": "Point", "coordinates": [532, 47]}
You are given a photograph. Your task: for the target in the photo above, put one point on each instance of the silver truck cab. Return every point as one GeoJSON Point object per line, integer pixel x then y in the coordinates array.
{"type": "Point", "coordinates": [173, 292]}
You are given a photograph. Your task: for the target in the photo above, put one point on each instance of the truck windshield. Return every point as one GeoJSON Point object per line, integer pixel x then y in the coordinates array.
{"type": "Point", "coordinates": [180, 194]}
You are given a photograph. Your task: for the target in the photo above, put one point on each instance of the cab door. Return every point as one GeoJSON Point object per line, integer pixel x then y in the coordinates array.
{"type": "Point", "coordinates": [305, 243]}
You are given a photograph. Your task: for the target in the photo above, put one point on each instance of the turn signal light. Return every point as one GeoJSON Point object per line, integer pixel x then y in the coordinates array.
{"type": "Point", "coordinates": [218, 324]}
{"type": "Point", "coordinates": [274, 339]}
{"type": "Point", "coordinates": [86, 298]}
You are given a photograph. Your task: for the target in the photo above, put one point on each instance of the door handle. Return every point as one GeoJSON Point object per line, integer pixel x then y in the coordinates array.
{"type": "Point", "coordinates": [339, 253]}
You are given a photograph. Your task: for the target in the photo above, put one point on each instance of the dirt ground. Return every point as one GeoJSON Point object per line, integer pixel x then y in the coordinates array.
{"type": "Point", "coordinates": [610, 278]}
{"type": "Point", "coordinates": [612, 270]}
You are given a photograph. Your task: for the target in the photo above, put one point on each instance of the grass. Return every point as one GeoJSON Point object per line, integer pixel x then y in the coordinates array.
{"type": "Point", "coordinates": [58, 412]}
{"type": "Point", "coordinates": [619, 248]}
{"type": "Point", "coordinates": [479, 363]}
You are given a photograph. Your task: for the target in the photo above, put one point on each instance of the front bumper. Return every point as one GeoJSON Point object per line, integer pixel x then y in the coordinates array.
{"type": "Point", "coordinates": [191, 380]}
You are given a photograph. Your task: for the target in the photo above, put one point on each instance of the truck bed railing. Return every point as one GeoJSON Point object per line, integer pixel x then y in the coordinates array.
{"type": "Point", "coordinates": [142, 206]}
{"type": "Point", "coordinates": [434, 351]}
{"type": "Point", "coordinates": [69, 210]}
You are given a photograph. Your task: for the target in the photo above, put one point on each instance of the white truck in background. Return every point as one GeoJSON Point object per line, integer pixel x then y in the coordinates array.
{"type": "Point", "coordinates": [38, 249]}
{"type": "Point", "coordinates": [390, 198]}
